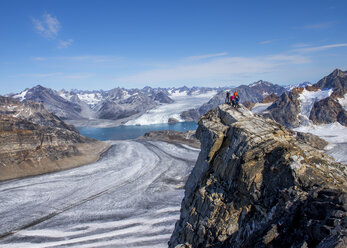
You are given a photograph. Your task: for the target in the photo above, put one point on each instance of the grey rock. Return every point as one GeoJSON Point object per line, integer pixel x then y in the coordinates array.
{"type": "Point", "coordinates": [285, 109]}
{"type": "Point", "coordinates": [328, 111]}
{"type": "Point", "coordinates": [257, 184]}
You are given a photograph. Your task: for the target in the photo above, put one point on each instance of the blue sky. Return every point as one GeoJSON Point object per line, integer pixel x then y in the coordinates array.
{"type": "Point", "coordinates": [105, 44]}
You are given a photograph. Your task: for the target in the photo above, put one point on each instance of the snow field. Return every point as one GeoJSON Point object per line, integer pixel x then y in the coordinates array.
{"type": "Point", "coordinates": [127, 199]}
{"type": "Point", "coordinates": [162, 113]}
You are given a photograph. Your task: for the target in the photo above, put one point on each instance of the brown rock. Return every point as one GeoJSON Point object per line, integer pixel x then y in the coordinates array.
{"type": "Point", "coordinates": [34, 141]}
{"type": "Point", "coordinates": [270, 98]}
{"type": "Point", "coordinates": [249, 105]}
{"type": "Point", "coordinates": [257, 184]}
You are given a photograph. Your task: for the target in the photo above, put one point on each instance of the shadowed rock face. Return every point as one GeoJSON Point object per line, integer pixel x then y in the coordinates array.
{"type": "Point", "coordinates": [285, 109]}
{"type": "Point", "coordinates": [335, 80]}
{"type": "Point", "coordinates": [258, 184]}
{"type": "Point", "coordinates": [327, 111]}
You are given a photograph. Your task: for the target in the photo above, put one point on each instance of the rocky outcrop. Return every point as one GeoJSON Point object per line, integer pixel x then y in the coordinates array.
{"type": "Point", "coordinates": [170, 136]}
{"type": "Point", "coordinates": [249, 105]}
{"type": "Point", "coordinates": [34, 141]}
{"type": "Point", "coordinates": [257, 184]}
{"type": "Point", "coordinates": [285, 109]}
{"type": "Point", "coordinates": [172, 120]}
{"type": "Point", "coordinates": [270, 98]}
{"type": "Point", "coordinates": [328, 111]}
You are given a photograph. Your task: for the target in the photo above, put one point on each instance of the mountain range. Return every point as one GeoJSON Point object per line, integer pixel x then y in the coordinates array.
{"type": "Point", "coordinates": [292, 106]}
{"type": "Point", "coordinates": [124, 104]}
{"type": "Point", "coordinates": [320, 103]}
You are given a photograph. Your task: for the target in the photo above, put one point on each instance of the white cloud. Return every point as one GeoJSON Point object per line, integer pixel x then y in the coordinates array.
{"type": "Point", "coordinates": [226, 68]}
{"type": "Point", "coordinates": [83, 58]}
{"type": "Point", "coordinates": [39, 59]}
{"type": "Point", "coordinates": [302, 44]}
{"type": "Point", "coordinates": [65, 43]}
{"type": "Point", "coordinates": [41, 75]}
{"type": "Point", "coordinates": [319, 25]}
{"type": "Point", "coordinates": [265, 42]}
{"type": "Point", "coordinates": [321, 48]}
{"type": "Point", "coordinates": [206, 56]}
{"type": "Point", "coordinates": [48, 26]}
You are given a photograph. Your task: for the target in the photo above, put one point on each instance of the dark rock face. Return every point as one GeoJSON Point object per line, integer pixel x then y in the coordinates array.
{"type": "Point", "coordinates": [327, 111]}
{"type": "Point", "coordinates": [162, 98]}
{"type": "Point", "coordinates": [257, 184]}
{"type": "Point", "coordinates": [54, 103]}
{"type": "Point", "coordinates": [190, 115]}
{"type": "Point", "coordinates": [115, 110]}
{"type": "Point", "coordinates": [285, 109]}
{"type": "Point", "coordinates": [335, 80]}
{"type": "Point", "coordinates": [172, 120]}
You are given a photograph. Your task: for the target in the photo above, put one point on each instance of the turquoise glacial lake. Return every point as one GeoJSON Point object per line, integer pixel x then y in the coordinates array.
{"type": "Point", "coordinates": [132, 132]}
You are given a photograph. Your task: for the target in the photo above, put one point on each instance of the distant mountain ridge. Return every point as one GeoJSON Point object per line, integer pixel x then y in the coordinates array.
{"type": "Point", "coordinates": [122, 105]}
{"type": "Point", "coordinates": [114, 104]}
{"type": "Point", "coordinates": [320, 103]}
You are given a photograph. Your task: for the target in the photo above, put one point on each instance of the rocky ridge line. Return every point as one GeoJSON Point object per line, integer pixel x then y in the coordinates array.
{"type": "Point", "coordinates": [259, 184]}
{"type": "Point", "coordinates": [34, 141]}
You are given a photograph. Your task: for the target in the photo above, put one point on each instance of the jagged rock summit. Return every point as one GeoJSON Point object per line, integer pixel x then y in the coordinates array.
{"type": "Point", "coordinates": [259, 184]}
{"type": "Point", "coordinates": [320, 103]}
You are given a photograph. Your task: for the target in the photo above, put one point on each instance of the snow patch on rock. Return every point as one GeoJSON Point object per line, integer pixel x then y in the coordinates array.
{"type": "Point", "coordinates": [343, 101]}
{"type": "Point", "coordinates": [21, 96]}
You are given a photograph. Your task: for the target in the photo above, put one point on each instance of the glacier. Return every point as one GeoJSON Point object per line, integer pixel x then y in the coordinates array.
{"type": "Point", "coordinates": [162, 113]}
{"type": "Point", "coordinates": [130, 198]}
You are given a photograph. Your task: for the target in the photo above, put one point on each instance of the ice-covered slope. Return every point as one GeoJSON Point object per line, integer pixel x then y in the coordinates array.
{"type": "Point", "coordinates": [130, 198]}
{"type": "Point", "coordinates": [307, 100]}
{"type": "Point", "coordinates": [343, 101]}
{"type": "Point", "coordinates": [182, 102]}
{"type": "Point", "coordinates": [335, 134]}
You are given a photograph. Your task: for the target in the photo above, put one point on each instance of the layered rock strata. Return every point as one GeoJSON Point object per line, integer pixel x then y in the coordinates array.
{"type": "Point", "coordinates": [259, 184]}
{"type": "Point", "coordinates": [170, 136]}
{"type": "Point", "coordinates": [34, 141]}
